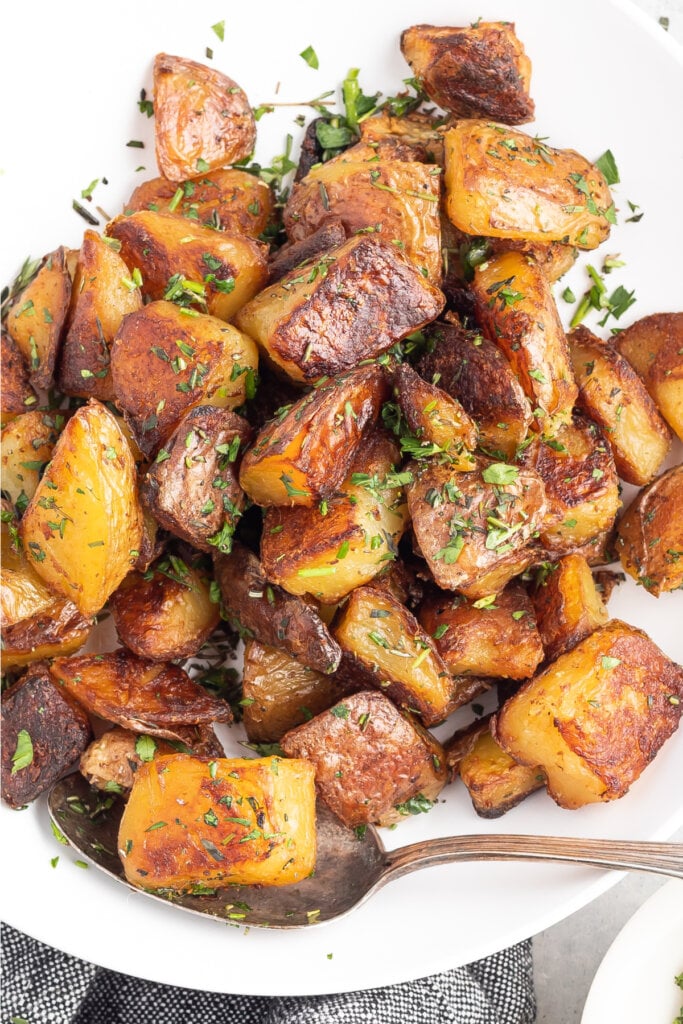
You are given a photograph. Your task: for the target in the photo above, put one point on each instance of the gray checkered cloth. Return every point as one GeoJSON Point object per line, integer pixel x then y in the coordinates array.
{"type": "Point", "coordinates": [40, 985]}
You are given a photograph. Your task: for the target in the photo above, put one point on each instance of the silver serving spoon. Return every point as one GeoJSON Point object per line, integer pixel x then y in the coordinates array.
{"type": "Point", "coordinates": [348, 869]}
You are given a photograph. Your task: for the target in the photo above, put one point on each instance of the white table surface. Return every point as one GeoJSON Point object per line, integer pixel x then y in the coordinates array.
{"type": "Point", "coordinates": [567, 956]}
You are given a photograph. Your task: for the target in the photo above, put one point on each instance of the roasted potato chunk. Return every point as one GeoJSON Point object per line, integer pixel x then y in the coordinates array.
{"type": "Point", "coordinates": [417, 131]}
{"type": "Point", "coordinates": [398, 199]}
{"type": "Point", "coordinates": [492, 638]}
{"type": "Point", "coordinates": [26, 446]}
{"type": "Point", "coordinates": [654, 348]}
{"type": "Point", "coordinates": [503, 183]}
{"type": "Point", "coordinates": [517, 310]}
{"type": "Point", "coordinates": [568, 605]}
{"type": "Point", "coordinates": [302, 455]}
{"type": "Point", "coordinates": [16, 395]}
{"type": "Point", "coordinates": [473, 527]}
{"type": "Point", "coordinates": [43, 732]}
{"type": "Point", "coordinates": [229, 199]}
{"type": "Point", "coordinates": [195, 822]}
{"type": "Point", "coordinates": [103, 293]}
{"type": "Point", "coordinates": [473, 370]}
{"type": "Point", "coordinates": [224, 271]}
{"type": "Point", "coordinates": [650, 534]}
{"type": "Point", "coordinates": [354, 303]}
{"type": "Point", "coordinates": [372, 763]}
{"type": "Point", "coordinates": [329, 235]}
{"type": "Point", "coordinates": [162, 619]}
{"type": "Point", "coordinates": [138, 694]}
{"type": "Point", "coordinates": [328, 552]}
{"type": "Point", "coordinates": [191, 488]}
{"type": "Point", "coordinates": [596, 717]}
{"type": "Point", "coordinates": [83, 526]}
{"type": "Point", "coordinates": [36, 317]}
{"type": "Point", "coordinates": [380, 632]}
{"type": "Point", "coordinates": [495, 781]}
{"type": "Point", "coordinates": [202, 119]}
{"type": "Point", "coordinates": [435, 417]}
{"type": "Point", "coordinates": [268, 613]}
{"type": "Point", "coordinates": [111, 762]}
{"type": "Point", "coordinates": [612, 394]}
{"type": "Point", "coordinates": [165, 363]}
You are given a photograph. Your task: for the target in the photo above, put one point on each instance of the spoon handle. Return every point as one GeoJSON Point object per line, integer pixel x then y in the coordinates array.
{"type": "Point", "coordinates": [624, 855]}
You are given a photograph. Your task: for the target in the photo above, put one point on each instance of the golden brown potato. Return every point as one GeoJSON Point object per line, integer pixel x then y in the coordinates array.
{"type": "Point", "coordinates": [352, 304]}
{"type": "Point", "coordinates": [191, 487]}
{"type": "Point", "coordinates": [398, 199]}
{"type": "Point", "coordinates": [472, 528]}
{"type": "Point", "coordinates": [16, 394]}
{"type": "Point", "coordinates": [568, 605]}
{"type": "Point", "coordinates": [498, 638]}
{"type": "Point", "coordinates": [462, 742]}
{"type": "Point", "coordinates": [654, 348]}
{"type": "Point", "coordinates": [161, 618]}
{"type": "Point", "coordinates": [26, 446]}
{"type": "Point", "coordinates": [517, 310]}
{"type": "Point", "coordinates": [465, 252]}
{"type": "Point", "coordinates": [329, 550]}
{"type": "Point", "coordinates": [650, 534]}
{"type": "Point", "coordinates": [473, 370]}
{"type": "Point", "coordinates": [202, 119]}
{"type": "Point", "coordinates": [279, 692]}
{"type": "Point", "coordinates": [495, 781]}
{"type": "Point", "coordinates": [596, 717]}
{"type": "Point", "coordinates": [138, 694]}
{"type": "Point", "coordinates": [197, 822]}
{"type": "Point", "coordinates": [228, 200]}
{"type": "Point", "coordinates": [581, 485]}
{"type": "Point", "coordinates": [329, 235]}
{"type": "Point", "coordinates": [259, 609]}
{"type": "Point", "coordinates": [417, 132]}
{"type": "Point", "coordinates": [194, 264]}
{"type": "Point", "coordinates": [372, 763]}
{"type": "Point", "coordinates": [503, 183]}
{"type": "Point", "coordinates": [477, 71]}
{"type": "Point", "coordinates": [36, 317]}
{"type": "Point", "coordinates": [165, 363]}
{"type": "Point", "coordinates": [612, 394]}
{"type": "Point", "coordinates": [83, 526]}
{"type": "Point", "coordinates": [404, 661]}
{"type": "Point", "coordinates": [302, 455]}
{"type": "Point", "coordinates": [103, 293]}
{"type": "Point", "coordinates": [435, 417]}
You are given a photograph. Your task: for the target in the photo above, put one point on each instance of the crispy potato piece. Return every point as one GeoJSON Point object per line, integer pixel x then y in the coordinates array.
{"type": "Point", "coordinates": [596, 717]}
{"type": "Point", "coordinates": [280, 693]}
{"type": "Point", "coordinates": [568, 605]}
{"type": "Point", "coordinates": [462, 742]}
{"type": "Point", "coordinates": [328, 552]}
{"type": "Point", "coordinates": [138, 694]}
{"type": "Point", "coordinates": [26, 445]}
{"type": "Point", "coordinates": [103, 293]}
{"type": "Point", "coordinates": [36, 317]}
{"type": "Point", "coordinates": [497, 639]}
{"type": "Point", "coordinates": [202, 119]}
{"type": "Point", "coordinates": [650, 534]}
{"type": "Point", "coordinates": [503, 183]}
{"type": "Point", "coordinates": [22, 592]}
{"type": "Point", "coordinates": [654, 348]}
{"type": "Point", "coordinates": [466, 252]}
{"type": "Point", "coordinates": [225, 270]}
{"type": "Point", "coordinates": [372, 763]}
{"type": "Point", "coordinates": [191, 488]}
{"type": "Point", "coordinates": [606, 581]}
{"type": "Point", "coordinates": [399, 199]}
{"type": "Point", "coordinates": [162, 619]}
{"type": "Point", "coordinates": [380, 632]}
{"type": "Point", "coordinates": [16, 395]}
{"type": "Point", "coordinates": [517, 310]}
{"type": "Point", "coordinates": [495, 781]}
{"type": "Point", "coordinates": [269, 614]}
{"type": "Point", "coordinates": [329, 235]}
{"type": "Point", "coordinates": [612, 394]}
{"type": "Point", "coordinates": [473, 527]}
{"type": "Point", "coordinates": [303, 454]}
{"type": "Point", "coordinates": [581, 485]}
{"type": "Point", "coordinates": [84, 523]}
{"type": "Point", "coordinates": [165, 363]}
{"type": "Point", "coordinates": [228, 199]}
{"type": "Point", "coordinates": [353, 304]}
{"type": "Point", "coordinates": [43, 732]}
{"type": "Point", "coordinates": [435, 417]}
{"type": "Point", "coordinates": [473, 370]}
{"type": "Point", "coordinates": [194, 822]}
{"type": "Point", "coordinates": [477, 71]}
{"type": "Point", "coordinates": [111, 761]}
{"type": "Point", "coordinates": [417, 130]}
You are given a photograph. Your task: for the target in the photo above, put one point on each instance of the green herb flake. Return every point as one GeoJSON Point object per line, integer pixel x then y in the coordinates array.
{"type": "Point", "coordinates": [145, 748]}
{"type": "Point", "coordinates": [311, 57]}
{"type": "Point", "coordinates": [500, 473]}
{"type": "Point", "coordinates": [607, 166]}
{"type": "Point", "coordinates": [608, 663]}
{"type": "Point", "coordinates": [23, 753]}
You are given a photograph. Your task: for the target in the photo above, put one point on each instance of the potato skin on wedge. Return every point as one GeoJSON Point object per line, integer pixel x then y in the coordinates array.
{"type": "Point", "coordinates": [568, 605]}
{"type": "Point", "coordinates": [650, 534]}
{"type": "Point", "coordinates": [654, 348]}
{"type": "Point", "coordinates": [36, 318]}
{"type": "Point", "coordinates": [17, 394]}
{"type": "Point", "coordinates": [199, 822]}
{"type": "Point", "coordinates": [495, 781]}
{"type": "Point", "coordinates": [435, 417]}
{"type": "Point", "coordinates": [26, 446]}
